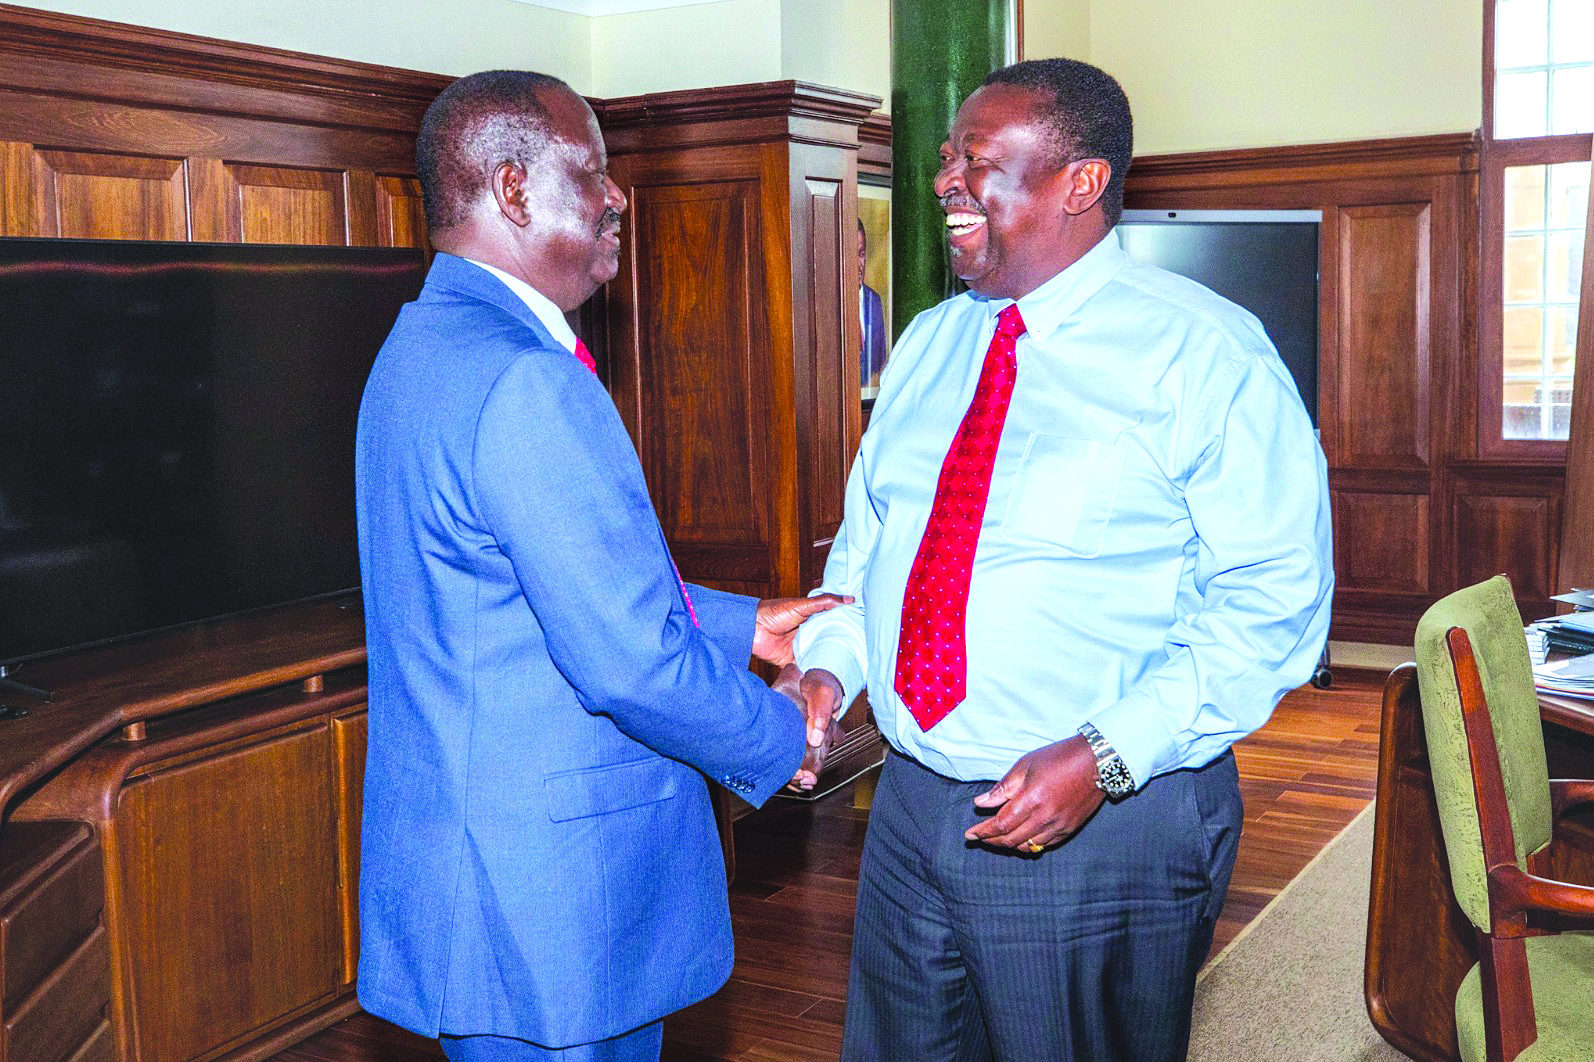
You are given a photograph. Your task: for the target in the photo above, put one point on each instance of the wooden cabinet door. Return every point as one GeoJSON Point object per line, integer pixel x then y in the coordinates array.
{"type": "Point", "coordinates": [227, 871]}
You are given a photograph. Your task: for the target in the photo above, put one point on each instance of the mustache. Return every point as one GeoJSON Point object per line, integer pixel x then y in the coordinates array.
{"type": "Point", "coordinates": [610, 220]}
{"type": "Point", "coordinates": [962, 201]}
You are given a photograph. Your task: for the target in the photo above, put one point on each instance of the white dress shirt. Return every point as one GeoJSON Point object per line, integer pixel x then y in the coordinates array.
{"type": "Point", "coordinates": [1155, 554]}
{"type": "Point", "coordinates": [552, 318]}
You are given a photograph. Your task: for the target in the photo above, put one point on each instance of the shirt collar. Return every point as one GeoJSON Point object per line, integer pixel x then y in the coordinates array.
{"type": "Point", "coordinates": [538, 303]}
{"type": "Point", "coordinates": [1048, 306]}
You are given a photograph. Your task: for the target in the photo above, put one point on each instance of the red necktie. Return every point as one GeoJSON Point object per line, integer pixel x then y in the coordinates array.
{"type": "Point", "coordinates": [932, 669]}
{"type": "Point", "coordinates": [586, 359]}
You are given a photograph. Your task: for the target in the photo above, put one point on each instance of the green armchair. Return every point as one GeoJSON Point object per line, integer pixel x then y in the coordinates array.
{"type": "Point", "coordinates": [1531, 994]}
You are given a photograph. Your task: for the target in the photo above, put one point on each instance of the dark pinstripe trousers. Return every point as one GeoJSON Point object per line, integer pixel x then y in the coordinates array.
{"type": "Point", "coordinates": [1085, 953]}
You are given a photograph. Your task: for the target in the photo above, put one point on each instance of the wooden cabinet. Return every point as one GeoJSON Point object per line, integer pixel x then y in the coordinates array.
{"type": "Point", "coordinates": [212, 811]}
{"type": "Point", "coordinates": [732, 330]}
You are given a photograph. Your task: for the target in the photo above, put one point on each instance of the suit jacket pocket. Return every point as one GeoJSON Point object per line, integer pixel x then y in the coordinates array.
{"type": "Point", "coordinates": [602, 790]}
{"type": "Point", "coordinates": [1063, 494]}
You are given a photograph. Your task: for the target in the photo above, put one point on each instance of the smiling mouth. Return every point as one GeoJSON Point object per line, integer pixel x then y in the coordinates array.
{"type": "Point", "coordinates": [963, 222]}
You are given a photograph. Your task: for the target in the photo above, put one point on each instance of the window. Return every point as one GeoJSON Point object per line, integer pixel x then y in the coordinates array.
{"type": "Point", "coordinates": [1539, 112]}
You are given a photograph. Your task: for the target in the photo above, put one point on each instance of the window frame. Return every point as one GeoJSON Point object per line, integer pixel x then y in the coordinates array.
{"type": "Point", "coordinates": [1494, 158]}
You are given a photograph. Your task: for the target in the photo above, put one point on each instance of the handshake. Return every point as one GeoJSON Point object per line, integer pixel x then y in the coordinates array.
{"type": "Point", "coordinates": [817, 692]}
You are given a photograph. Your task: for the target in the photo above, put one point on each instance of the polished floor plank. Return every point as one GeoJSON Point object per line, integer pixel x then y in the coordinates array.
{"type": "Point", "coordinates": [1304, 777]}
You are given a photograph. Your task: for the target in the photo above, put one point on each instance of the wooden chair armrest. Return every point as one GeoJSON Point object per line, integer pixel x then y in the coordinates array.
{"type": "Point", "coordinates": [1568, 793]}
{"type": "Point", "coordinates": [1521, 891]}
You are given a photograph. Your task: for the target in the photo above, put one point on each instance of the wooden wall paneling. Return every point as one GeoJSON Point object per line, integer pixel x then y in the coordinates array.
{"type": "Point", "coordinates": [226, 885]}
{"type": "Point", "coordinates": [1507, 521]}
{"type": "Point", "coordinates": [701, 405]}
{"type": "Point", "coordinates": [1382, 540]}
{"type": "Point", "coordinates": [103, 196]}
{"type": "Point", "coordinates": [18, 190]}
{"type": "Point", "coordinates": [400, 214]}
{"type": "Point", "coordinates": [287, 204]}
{"type": "Point", "coordinates": [1382, 381]}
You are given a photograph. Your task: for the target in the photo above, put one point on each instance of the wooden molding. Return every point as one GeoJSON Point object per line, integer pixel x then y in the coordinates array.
{"type": "Point", "coordinates": [1440, 155]}
{"type": "Point", "coordinates": [796, 98]}
{"type": "Point", "coordinates": [70, 56]}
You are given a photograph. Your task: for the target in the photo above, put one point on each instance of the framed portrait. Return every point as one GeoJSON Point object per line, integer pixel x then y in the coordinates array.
{"type": "Point", "coordinates": [874, 293]}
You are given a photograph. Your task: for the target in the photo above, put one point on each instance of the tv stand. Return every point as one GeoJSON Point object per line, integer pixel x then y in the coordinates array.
{"type": "Point", "coordinates": [9, 684]}
{"type": "Point", "coordinates": [179, 849]}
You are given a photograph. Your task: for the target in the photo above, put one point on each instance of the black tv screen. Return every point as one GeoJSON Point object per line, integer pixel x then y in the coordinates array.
{"type": "Point", "coordinates": [177, 429]}
{"type": "Point", "coordinates": [1264, 260]}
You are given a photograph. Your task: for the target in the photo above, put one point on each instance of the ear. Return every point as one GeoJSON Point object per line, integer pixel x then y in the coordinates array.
{"type": "Point", "coordinates": [509, 192]}
{"type": "Point", "coordinates": [1084, 181]}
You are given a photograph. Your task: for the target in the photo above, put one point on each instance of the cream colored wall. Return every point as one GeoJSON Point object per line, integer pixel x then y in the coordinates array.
{"type": "Point", "coordinates": [1202, 74]}
{"type": "Point", "coordinates": [1212, 74]}
{"type": "Point", "coordinates": [725, 42]}
{"type": "Point", "coordinates": [453, 37]}
{"type": "Point", "coordinates": [730, 42]}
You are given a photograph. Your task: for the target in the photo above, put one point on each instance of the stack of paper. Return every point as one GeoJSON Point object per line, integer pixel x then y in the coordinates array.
{"type": "Point", "coordinates": [1572, 676]}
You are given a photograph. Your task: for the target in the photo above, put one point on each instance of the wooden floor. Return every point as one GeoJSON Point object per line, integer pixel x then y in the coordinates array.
{"type": "Point", "coordinates": [1304, 776]}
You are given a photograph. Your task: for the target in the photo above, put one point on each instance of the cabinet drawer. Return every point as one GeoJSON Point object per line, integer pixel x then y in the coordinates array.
{"type": "Point", "coordinates": [65, 1008]}
{"type": "Point", "coordinates": [52, 905]}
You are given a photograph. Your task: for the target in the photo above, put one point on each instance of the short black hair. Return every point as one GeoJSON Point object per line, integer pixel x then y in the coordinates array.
{"type": "Point", "coordinates": [472, 126]}
{"type": "Point", "coordinates": [1089, 116]}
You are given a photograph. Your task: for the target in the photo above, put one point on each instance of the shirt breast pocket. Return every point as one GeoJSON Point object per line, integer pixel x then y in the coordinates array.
{"type": "Point", "coordinates": [1063, 494]}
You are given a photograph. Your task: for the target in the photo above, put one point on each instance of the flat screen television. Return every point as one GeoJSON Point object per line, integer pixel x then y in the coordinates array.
{"type": "Point", "coordinates": [1265, 260]}
{"type": "Point", "coordinates": [177, 429]}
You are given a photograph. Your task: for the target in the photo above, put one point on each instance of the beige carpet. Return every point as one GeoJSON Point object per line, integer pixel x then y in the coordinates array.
{"type": "Point", "coordinates": [1290, 985]}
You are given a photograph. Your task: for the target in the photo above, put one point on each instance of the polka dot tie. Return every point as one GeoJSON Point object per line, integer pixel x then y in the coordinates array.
{"type": "Point", "coordinates": [932, 669]}
{"type": "Point", "coordinates": [586, 359]}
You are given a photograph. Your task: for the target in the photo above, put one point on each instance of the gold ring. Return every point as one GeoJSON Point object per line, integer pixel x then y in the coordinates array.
{"type": "Point", "coordinates": [1034, 846]}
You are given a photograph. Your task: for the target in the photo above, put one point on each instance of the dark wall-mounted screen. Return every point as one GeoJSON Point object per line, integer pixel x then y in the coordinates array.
{"type": "Point", "coordinates": [177, 429]}
{"type": "Point", "coordinates": [1265, 260]}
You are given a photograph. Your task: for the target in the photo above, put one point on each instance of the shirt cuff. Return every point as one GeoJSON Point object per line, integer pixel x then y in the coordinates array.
{"type": "Point", "coordinates": [1134, 729]}
{"type": "Point", "coordinates": [834, 653]}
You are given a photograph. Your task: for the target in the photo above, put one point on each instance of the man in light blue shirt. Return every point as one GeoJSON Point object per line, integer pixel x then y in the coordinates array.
{"type": "Point", "coordinates": [1152, 573]}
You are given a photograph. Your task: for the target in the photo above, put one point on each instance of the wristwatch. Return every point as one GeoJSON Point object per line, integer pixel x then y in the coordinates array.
{"type": "Point", "coordinates": [1112, 774]}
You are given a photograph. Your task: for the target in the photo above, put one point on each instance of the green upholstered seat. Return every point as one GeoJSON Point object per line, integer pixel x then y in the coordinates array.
{"type": "Point", "coordinates": [1563, 1002]}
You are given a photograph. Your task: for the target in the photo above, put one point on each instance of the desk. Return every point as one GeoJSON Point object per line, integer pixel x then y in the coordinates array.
{"type": "Point", "coordinates": [1419, 944]}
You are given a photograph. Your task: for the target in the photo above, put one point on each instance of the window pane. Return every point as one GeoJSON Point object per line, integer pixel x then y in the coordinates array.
{"type": "Point", "coordinates": [1524, 198]}
{"type": "Point", "coordinates": [1519, 105]}
{"type": "Point", "coordinates": [1524, 340]}
{"type": "Point", "coordinates": [1572, 108]}
{"type": "Point", "coordinates": [1524, 268]}
{"type": "Point", "coordinates": [1519, 33]}
{"type": "Point", "coordinates": [1569, 195]}
{"type": "Point", "coordinates": [1572, 30]}
{"type": "Point", "coordinates": [1543, 260]}
{"type": "Point", "coordinates": [1563, 266]}
{"type": "Point", "coordinates": [1562, 341]}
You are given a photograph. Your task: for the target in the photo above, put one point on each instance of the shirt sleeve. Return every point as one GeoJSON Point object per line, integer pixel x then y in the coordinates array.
{"type": "Point", "coordinates": [835, 640]}
{"type": "Point", "coordinates": [1257, 495]}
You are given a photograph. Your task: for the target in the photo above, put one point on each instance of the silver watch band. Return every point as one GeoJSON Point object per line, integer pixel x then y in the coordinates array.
{"type": "Point", "coordinates": [1112, 774]}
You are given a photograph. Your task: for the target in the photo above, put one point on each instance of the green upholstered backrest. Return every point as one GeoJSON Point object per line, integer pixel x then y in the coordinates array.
{"type": "Point", "coordinates": [1488, 613]}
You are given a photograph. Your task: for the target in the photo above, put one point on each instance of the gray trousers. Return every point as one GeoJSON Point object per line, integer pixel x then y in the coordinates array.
{"type": "Point", "coordinates": [1084, 953]}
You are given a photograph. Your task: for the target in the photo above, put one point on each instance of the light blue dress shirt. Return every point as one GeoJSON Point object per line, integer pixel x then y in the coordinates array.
{"type": "Point", "coordinates": [1155, 555]}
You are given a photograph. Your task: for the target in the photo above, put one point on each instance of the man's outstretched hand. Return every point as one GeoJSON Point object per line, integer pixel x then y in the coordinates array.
{"type": "Point", "coordinates": [778, 619]}
{"type": "Point", "coordinates": [821, 696]}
